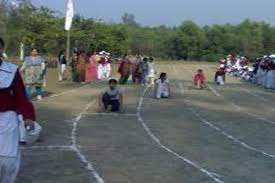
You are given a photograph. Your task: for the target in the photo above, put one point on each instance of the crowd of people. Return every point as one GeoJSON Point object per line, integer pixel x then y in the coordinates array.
{"type": "Point", "coordinates": [88, 67]}
{"type": "Point", "coordinates": [260, 72]}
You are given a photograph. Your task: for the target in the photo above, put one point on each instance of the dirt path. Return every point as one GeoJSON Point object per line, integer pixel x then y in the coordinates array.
{"type": "Point", "coordinates": [221, 134]}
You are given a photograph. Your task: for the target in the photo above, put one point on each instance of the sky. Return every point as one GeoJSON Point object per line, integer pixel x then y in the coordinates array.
{"type": "Point", "coordinates": [171, 12]}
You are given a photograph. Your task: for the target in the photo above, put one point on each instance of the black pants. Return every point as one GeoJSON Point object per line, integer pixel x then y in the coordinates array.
{"type": "Point", "coordinates": [107, 101]}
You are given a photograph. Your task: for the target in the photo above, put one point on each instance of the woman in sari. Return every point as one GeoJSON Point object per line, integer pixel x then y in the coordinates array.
{"type": "Point", "coordinates": [34, 69]}
{"type": "Point", "coordinates": [81, 67]}
{"type": "Point", "coordinates": [91, 69]}
{"type": "Point", "coordinates": [124, 70]}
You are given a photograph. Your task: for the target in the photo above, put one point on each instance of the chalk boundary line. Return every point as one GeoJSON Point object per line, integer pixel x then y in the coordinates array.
{"type": "Point", "coordinates": [224, 133]}
{"type": "Point", "coordinates": [239, 108]}
{"type": "Point", "coordinates": [74, 146]}
{"type": "Point", "coordinates": [209, 174]}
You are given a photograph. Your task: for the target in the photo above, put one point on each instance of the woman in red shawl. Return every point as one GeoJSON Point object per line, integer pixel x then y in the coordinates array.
{"type": "Point", "coordinates": [124, 70]}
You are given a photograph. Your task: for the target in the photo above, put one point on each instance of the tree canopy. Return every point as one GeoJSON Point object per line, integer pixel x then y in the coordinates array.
{"type": "Point", "coordinates": [44, 29]}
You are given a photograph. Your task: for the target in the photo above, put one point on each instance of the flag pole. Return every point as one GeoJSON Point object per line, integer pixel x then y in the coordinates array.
{"type": "Point", "coordinates": [68, 25]}
{"type": "Point", "coordinates": [68, 45]}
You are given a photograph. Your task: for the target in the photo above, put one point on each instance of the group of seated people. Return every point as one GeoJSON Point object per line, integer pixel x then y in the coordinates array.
{"type": "Point", "coordinates": [200, 79]}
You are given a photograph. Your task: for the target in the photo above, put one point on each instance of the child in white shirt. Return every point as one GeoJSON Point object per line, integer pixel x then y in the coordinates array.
{"type": "Point", "coordinates": [162, 87]}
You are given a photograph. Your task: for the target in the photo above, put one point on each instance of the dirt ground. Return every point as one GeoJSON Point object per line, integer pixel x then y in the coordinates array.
{"type": "Point", "coordinates": [220, 134]}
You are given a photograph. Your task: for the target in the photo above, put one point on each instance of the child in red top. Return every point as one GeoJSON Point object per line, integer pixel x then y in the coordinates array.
{"type": "Point", "coordinates": [199, 79]}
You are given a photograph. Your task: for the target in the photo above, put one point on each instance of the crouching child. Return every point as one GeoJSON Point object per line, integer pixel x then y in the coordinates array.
{"type": "Point", "coordinates": [162, 87]}
{"type": "Point", "coordinates": [111, 100]}
{"type": "Point", "coordinates": [199, 80]}
{"type": "Point", "coordinates": [220, 77]}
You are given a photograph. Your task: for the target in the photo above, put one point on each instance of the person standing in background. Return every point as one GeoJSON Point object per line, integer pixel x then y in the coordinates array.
{"type": "Point", "coordinates": [91, 68]}
{"type": "Point", "coordinates": [34, 69]}
{"type": "Point", "coordinates": [81, 67]}
{"type": "Point", "coordinates": [144, 71]}
{"type": "Point", "coordinates": [73, 65]}
{"type": "Point", "coordinates": [151, 71]}
{"type": "Point", "coordinates": [62, 63]}
{"type": "Point", "coordinates": [124, 70]}
{"type": "Point", "coordinates": [136, 71]}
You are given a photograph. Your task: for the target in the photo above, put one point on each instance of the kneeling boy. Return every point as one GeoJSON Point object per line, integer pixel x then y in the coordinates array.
{"type": "Point", "coordinates": [112, 99]}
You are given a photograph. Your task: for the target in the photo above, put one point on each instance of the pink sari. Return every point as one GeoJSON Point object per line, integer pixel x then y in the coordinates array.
{"type": "Point", "coordinates": [91, 69]}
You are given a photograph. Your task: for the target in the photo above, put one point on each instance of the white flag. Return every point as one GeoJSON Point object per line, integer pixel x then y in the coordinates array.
{"type": "Point", "coordinates": [69, 15]}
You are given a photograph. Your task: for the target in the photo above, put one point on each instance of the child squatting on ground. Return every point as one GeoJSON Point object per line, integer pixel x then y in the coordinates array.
{"type": "Point", "coordinates": [199, 79]}
{"type": "Point", "coordinates": [220, 77]}
{"type": "Point", "coordinates": [111, 100]}
{"type": "Point", "coordinates": [162, 87]}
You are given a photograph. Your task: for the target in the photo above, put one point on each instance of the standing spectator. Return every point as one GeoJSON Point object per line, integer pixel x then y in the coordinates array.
{"type": "Point", "coordinates": [151, 71]}
{"type": "Point", "coordinates": [81, 67]}
{"type": "Point", "coordinates": [73, 65]}
{"type": "Point", "coordinates": [91, 69]}
{"type": "Point", "coordinates": [124, 70]}
{"type": "Point", "coordinates": [62, 63]}
{"type": "Point", "coordinates": [144, 71]}
{"type": "Point", "coordinates": [34, 68]}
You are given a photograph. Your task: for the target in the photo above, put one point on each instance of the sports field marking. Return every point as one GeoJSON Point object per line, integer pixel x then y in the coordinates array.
{"type": "Point", "coordinates": [239, 108]}
{"type": "Point", "coordinates": [75, 148]}
{"type": "Point", "coordinates": [256, 95]}
{"type": "Point", "coordinates": [227, 135]}
{"type": "Point", "coordinates": [154, 138]}
{"type": "Point", "coordinates": [60, 94]}
{"type": "Point", "coordinates": [50, 147]}
{"type": "Point", "coordinates": [110, 114]}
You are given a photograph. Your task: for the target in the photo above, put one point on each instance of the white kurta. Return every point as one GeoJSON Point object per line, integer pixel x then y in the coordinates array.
{"type": "Point", "coordinates": [9, 132]}
{"type": "Point", "coordinates": [162, 88]}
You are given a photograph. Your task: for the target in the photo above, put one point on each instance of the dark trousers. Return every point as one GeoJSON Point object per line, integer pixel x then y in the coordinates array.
{"type": "Point", "coordinates": [115, 104]}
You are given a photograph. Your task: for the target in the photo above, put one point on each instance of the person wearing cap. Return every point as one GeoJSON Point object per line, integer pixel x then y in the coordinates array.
{"type": "Point", "coordinates": [34, 68]}
{"type": "Point", "coordinates": [14, 102]}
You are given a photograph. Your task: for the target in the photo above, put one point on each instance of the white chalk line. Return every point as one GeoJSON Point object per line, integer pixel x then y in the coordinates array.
{"type": "Point", "coordinates": [239, 108]}
{"type": "Point", "coordinates": [110, 114]}
{"type": "Point", "coordinates": [66, 92]}
{"type": "Point", "coordinates": [76, 149]}
{"type": "Point", "coordinates": [227, 135]}
{"type": "Point", "coordinates": [50, 147]}
{"type": "Point", "coordinates": [248, 113]}
{"type": "Point", "coordinates": [256, 95]}
{"type": "Point", "coordinates": [74, 146]}
{"type": "Point", "coordinates": [149, 132]}
{"type": "Point", "coordinates": [231, 137]}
